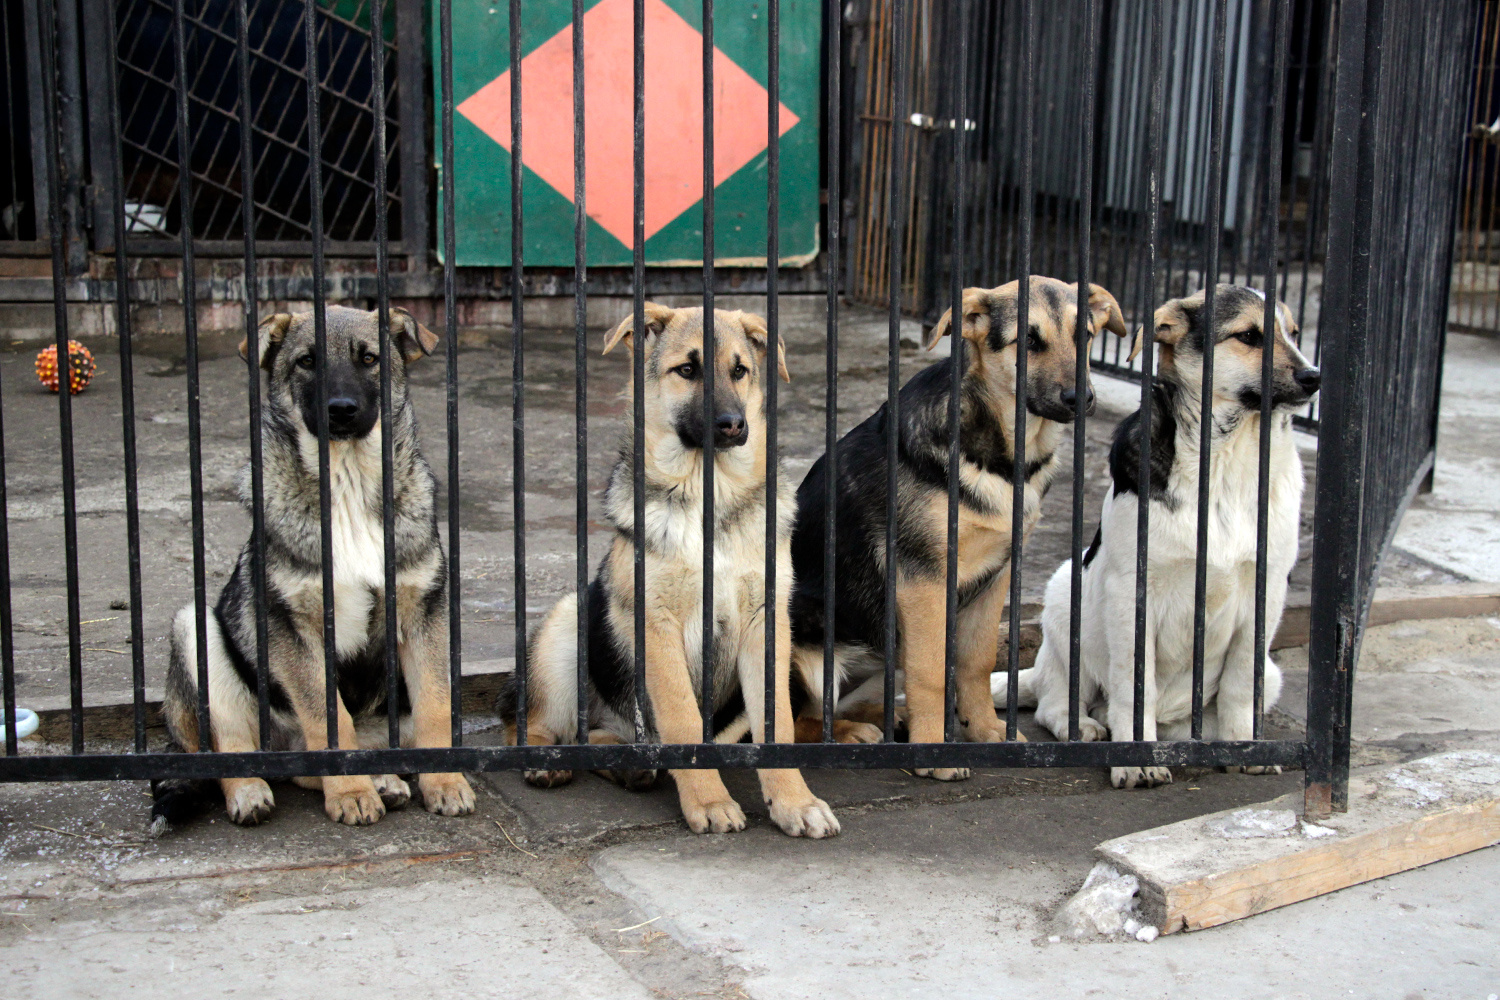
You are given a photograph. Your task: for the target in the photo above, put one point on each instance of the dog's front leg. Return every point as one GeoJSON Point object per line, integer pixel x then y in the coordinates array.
{"type": "Point", "coordinates": [1120, 710]}
{"type": "Point", "coordinates": [425, 668]}
{"type": "Point", "coordinates": [920, 607]}
{"type": "Point", "coordinates": [347, 798]}
{"type": "Point", "coordinates": [706, 803]}
{"type": "Point", "coordinates": [793, 806]}
{"type": "Point", "coordinates": [978, 649]}
{"type": "Point", "coordinates": [1236, 698]}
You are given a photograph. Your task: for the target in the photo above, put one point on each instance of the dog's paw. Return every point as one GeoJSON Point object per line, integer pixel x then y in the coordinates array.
{"type": "Point", "coordinates": [548, 779]}
{"type": "Point", "coordinates": [446, 794]}
{"type": "Point", "coordinates": [991, 734]}
{"type": "Point", "coordinates": [1256, 769]}
{"type": "Point", "coordinates": [1091, 730]}
{"type": "Point", "coordinates": [1139, 777]}
{"type": "Point", "coordinates": [848, 731]}
{"type": "Point", "coordinates": [724, 816]}
{"type": "Point", "coordinates": [393, 791]}
{"type": "Point", "coordinates": [352, 800]}
{"type": "Point", "coordinates": [248, 801]}
{"type": "Point", "coordinates": [811, 819]}
{"type": "Point", "coordinates": [944, 773]}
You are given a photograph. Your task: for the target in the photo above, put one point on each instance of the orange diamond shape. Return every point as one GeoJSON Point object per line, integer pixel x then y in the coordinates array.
{"type": "Point", "coordinates": [674, 115]}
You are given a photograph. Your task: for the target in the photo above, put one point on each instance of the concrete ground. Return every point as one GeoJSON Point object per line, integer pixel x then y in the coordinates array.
{"type": "Point", "coordinates": [592, 891]}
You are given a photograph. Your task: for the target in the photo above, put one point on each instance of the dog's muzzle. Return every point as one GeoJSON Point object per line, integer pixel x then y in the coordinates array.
{"type": "Point", "coordinates": [344, 418]}
{"type": "Point", "coordinates": [730, 430]}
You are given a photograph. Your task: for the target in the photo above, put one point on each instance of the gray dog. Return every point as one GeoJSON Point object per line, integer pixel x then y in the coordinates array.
{"type": "Point", "coordinates": [294, 585]}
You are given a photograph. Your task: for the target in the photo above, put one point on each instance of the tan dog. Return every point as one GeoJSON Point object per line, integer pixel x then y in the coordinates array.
{"type": "Point", "coordinates": [674, 436]}
{"type": "Point", "coordinates": [987, 435]}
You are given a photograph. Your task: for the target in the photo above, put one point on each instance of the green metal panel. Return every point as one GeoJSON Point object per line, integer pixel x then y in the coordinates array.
{"type": "Point", "coordinates": [481, 63]}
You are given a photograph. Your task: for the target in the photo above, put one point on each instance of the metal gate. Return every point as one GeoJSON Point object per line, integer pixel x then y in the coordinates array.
{"type": "Point", "coordinates": [1475, 305]}
{"type": "Point", "coordinates": [1393, 78]}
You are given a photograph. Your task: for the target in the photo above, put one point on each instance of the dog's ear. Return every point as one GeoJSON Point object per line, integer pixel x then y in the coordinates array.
{"type": "Point", "coordinates": [657, 318]}
{"type": "Point", "coordinates": [976, 306]}
{"type": "Point", "coordinates": [1171, 325]}
{"type": "Point", "coordinates": [1288, 324]}
{"type": "Point", "coordinates": [1106, 312]}
{"type": "Point", "coordinates": [412, 339]}
{"type": "Point", "coordinates": [759, 336]}
{"type": "Point", "coordinates": [269, 335]}
{"type": "Point", "coordinates": [1172, 321]}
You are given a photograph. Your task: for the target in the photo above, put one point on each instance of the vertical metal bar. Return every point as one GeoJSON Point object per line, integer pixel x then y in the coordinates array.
{"type": "Point", "coordinates": [1297, 113]}
{"type": "Point", "coordinates": [518, 368]}
{"type": "Point", "coordinates": [773, 341]}
{"type": "Point", "coordinates": [834, 163]}
{"type": "Point", "coordinates": [580, 372]}
{"type": "Point", "coordinates": [411, 72]}
{"type": "Point", "coordinates": [1148, 351]}
{"type": "Point", "coordinates": [1081, 364]}
{"type": "Point", "coordinates": [320, 356]}
{"type": "Point", "coordinates": [1215, 224]}
{"type": "Point", "coordinates": [7, 623]}
{"type": "Point", "coordinates": [958, 45]}
{"type": "Point", "coordinates": [450, 342]}
{"type": "Point", "coordinates": [710, 366]}
{"type": "Point", "coordinates": [33, 15]}
{"type": "Point", "coordinates": [68, 113]}
{"type": "Point", "coordinates": [897, 227]}
{"type": "Point", "coordinates": [638, 373]}
{"type": "Point", "coordinates": [111, 153]}
{"type": "Point", "coordinates": [1345, 330]}
{"type": "Point", "coordinates": [250, 300]}
{"type": "Point", "coordinates": [387, 421]}
{"type": "Point", "coordinates": [190, 333]}
{"type": "Point", "coordinates": [1023, 327]}
{"type": "Point", "coordinates": [1269, 324]}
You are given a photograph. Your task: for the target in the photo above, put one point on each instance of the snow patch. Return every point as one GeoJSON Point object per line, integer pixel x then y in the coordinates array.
{"type": "Point", "coordinates": [1106, 907]}
{"type": "Point", "coordinates": [1244, 824]}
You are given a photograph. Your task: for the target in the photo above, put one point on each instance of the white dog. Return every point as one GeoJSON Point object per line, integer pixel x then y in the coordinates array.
{"type": "Point", "coordinates": [1107, 658]}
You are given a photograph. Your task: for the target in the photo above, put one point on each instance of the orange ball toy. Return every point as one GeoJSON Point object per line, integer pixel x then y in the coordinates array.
{"type": "Point", "coordinates": [81, 367]}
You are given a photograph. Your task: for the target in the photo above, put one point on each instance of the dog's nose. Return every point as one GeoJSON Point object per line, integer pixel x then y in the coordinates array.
{"type": "Point", "coordinates": [730, 425]}
{"type": "Point", "coordinates": [1308, 378]}
{"type": "Point", "coordinates": [1070, 398]}
{"type": "Point", "coordinates": [342, 408]}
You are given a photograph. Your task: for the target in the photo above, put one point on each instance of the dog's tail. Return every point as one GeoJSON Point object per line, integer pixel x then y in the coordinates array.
{"type": "Point", "coordinates": [1025, 688]}
{"type": "Point", "coordinates": [175, 801]}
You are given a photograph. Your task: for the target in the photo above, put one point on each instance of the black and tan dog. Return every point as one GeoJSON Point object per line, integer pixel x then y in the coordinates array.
{"type": "Point", "coordinates": [987, 432]}
{"type": "Point", "coordinates": [294, 585]}
{"type": "Point", "coordinates": [673, 539]}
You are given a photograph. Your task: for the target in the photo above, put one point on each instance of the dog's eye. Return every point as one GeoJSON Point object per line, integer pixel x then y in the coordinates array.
{"type": "Point", "coordinates": [368, 359]}
{"type": "Point", "coordinates": [688, 370]}
{"type": "Point", "coordinates": [1034, 340]}
{"type": "Point", "coordinates": [1250, 338]}
{"type": "Point", "coordinates": [307, 361]}
{"type": "Point", "coordinates": [739, 372]}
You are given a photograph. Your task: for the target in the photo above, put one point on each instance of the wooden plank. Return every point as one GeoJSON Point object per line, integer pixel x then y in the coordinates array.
{"type": "Point", "coordinates": [1213, 869]}
{"type": "Point", "coordinates": [1221, 898]}
{"type": "Point", "coordinates": [1397, 604]}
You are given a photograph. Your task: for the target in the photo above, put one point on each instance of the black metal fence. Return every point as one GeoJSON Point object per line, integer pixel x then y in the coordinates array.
{"type": "Point", "coordinates": [1126, 167]}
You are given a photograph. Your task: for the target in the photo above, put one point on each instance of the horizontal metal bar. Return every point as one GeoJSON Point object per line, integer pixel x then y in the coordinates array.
{"type": "Point", "coordinates": [166, 246]}
{"type": "Point", "coordinates": [288, 764]}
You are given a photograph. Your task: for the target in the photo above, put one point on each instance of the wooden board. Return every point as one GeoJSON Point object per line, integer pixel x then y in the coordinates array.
{"type": "Point", "coordinates": [1192, 877]}
{"type": "Point", "coordinates": [1396, 604]}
